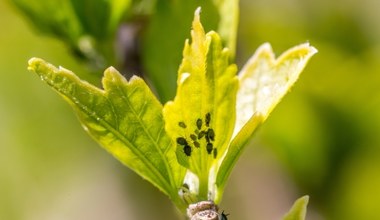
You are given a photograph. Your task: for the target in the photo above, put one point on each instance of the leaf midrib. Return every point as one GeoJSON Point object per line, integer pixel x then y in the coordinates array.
{"type": "Point", "coordinates": [150, 136]}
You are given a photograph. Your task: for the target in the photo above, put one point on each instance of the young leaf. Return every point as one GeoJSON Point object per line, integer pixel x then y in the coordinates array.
{"type": "Point", "coordinates": [264, 80]}
{"type": "Point", "coordinates": [205, 103]}
{"type": "Point", "coordinates": [234, 151]}
{"type": "Point", "coordinates": [125, 118]}
{"type": "Point", "coordinates": [298, 210]}
{"type": "Point", "coordinates": [191, 155]}
{"type": "Point", "coordinates": [161, 54]}
{"type": "Point", "coordinates": [222, 15]}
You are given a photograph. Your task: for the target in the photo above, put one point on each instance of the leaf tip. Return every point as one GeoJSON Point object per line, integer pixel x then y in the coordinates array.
{"type": "Point", "coordinates": [265, 51]}
{"type": "Point", "coordinates": [33, 63]}
{"type": "Point", "coordinates": [304, 199]}
{"type": "Point", "coordinates": [298, 210]}
{"type": "Point", "coordinates": [312, 50]}
{"type": "Point", "coordinates": [266, 47]}
{"type": "Point", "coordinates": [111, 76]}
{"type": "Point", "coordinates": [110, 71]}
{"type": "Point", "coordinates": [41, 67]}
{"type": "Point", "coordinates": [305, 50]}
{"type": "Point", "coordinates": [197, 13]}
{"type": "Point", "coordinates": [197, 25]}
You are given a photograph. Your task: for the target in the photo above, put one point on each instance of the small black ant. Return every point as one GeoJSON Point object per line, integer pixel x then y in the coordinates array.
{"type": "Point", "coordinates": [223, 216]}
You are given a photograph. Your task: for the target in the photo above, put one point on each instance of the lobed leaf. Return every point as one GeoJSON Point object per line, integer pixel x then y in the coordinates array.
{"type": "Point", "coordinates": [161, 59]}
{"type": "Point", "coordinates": [125, 118]}
{"type": "Point", "coordinates": [188, 148]}
{"type": "Point", "coordinates": [162, 54]}
{"type": "Point", "coordinates": [206, 94]}
{"type": "Point", "coordinates": [264, 80]}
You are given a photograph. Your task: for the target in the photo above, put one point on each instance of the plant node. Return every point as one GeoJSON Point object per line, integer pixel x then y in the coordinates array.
{"type": "Point", "coordinates": [204, 210]}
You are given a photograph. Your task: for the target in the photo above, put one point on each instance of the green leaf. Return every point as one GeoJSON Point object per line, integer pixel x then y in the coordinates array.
{"type": "Point", "coordinates": [191, 155]}
{"type": "Point", "coordinates": [125, 118]}
{"type": "Point", "coordinates": [264, 80]}
{"type": "Point", "coordinates": [100, 18]}
{"type": "Point", "coordinates": [234, 151]}
{"type": "Point", "coordinates": [298, 210]}
{"type": "Point", "coordinates": [56, 18]}
{"type": "Point", "coordinates": [93, 16]}
{"type": "Point", "coordinates": [203, 110]}
{"type": "Point", "coordinates": [228, 22]}
{"type": "Point", "coordinates": [161, 59]}
{"type": "Point", "coordinates": [87, 27]}
{"type": "Point", "coordinates": [163, 41]}
{"type": "Point", "coordinates": [118, 10]}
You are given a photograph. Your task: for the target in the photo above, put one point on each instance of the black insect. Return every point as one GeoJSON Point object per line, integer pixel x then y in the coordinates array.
{"type": "Point", "coordinates": [211, 134]}
{"type": "Point", "coordinates": [182, 124]}
{"type": "Point", "coordinates": [199, 123]}
{"type": "Point", "coordinates": [201, 134]}
{"type": "Point", "coordinates": [193, 137]}
{"type": "Point", "coordinates": [181, 141]}
{"type": "Point", "coordinates": [223, 216]}
{"type": "Point", "coordinates": [187, 150]}
{"type": "Point", "coordinates": [186, 186]}
{"type": "Point", "coordinates": [207, 138]}
{"type": "Point", "coordinates": [215, 152]}
{"type": "Point", "coordinates": [209, 148]}
{"type": "Point", "coordinates": [208, 119]}
{"type": "Point", "coordinates": [196, 144]}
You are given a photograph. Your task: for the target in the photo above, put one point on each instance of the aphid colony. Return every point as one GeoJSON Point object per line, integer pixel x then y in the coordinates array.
{"type": "Point", "coordinates": [207, 133]}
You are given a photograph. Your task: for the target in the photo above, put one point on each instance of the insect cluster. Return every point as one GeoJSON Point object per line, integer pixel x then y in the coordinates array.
{"type": "Point", "coordinates": [206, 133]}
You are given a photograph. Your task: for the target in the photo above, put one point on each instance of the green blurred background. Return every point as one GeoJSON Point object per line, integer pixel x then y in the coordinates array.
{"type": "Point", "coordinates": [322, 140]}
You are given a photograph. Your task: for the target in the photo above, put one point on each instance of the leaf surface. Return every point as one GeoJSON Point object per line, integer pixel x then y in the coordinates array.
{"type": "Point", "coordinates": [125, 118]}
{"type": "Point", "coordinates": [234, 151]}
{"type": "Point", "coordinates": [264, 80]}
{"type": "Point", "coordinates": [161, 53]}
{"type": "Point", "coordinates": [204, 103]}
{"type": "Point", "coordinates": [161, 59]}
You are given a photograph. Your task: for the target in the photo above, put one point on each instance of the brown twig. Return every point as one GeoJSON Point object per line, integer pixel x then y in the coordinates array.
{"type": "Point", "coordinates": [204, 210]}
